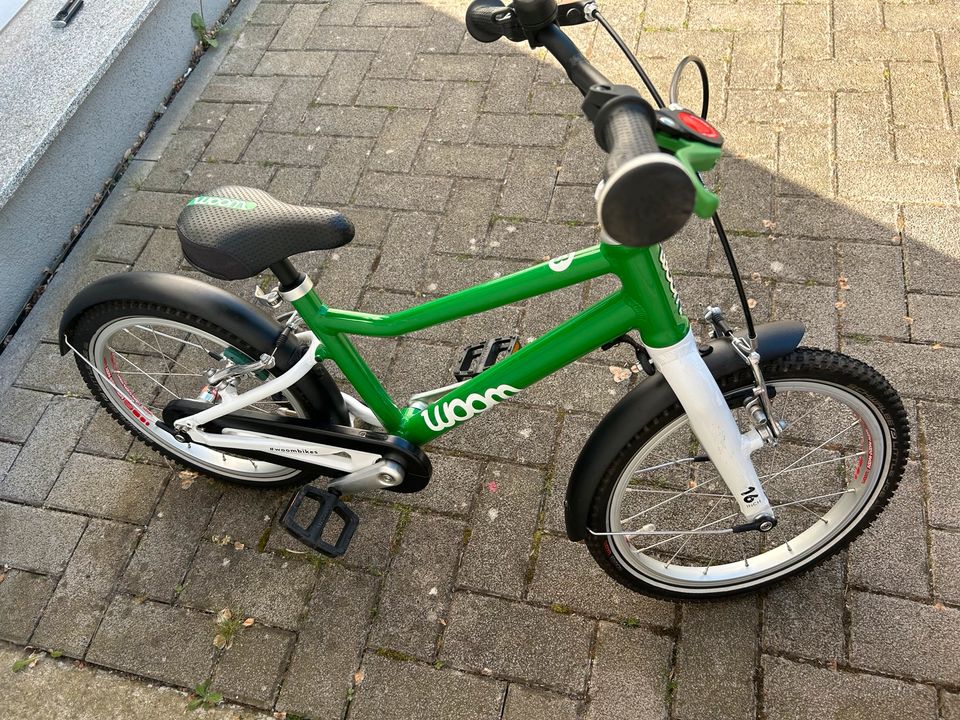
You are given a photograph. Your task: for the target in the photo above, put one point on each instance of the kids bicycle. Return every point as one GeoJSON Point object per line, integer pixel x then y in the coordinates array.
{"type": "Point", "coordinates": [736, 463]}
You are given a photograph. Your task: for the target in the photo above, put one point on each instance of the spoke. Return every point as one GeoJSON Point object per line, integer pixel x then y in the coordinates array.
{"type": "Point", "coordinates": [666, 464]}
{"type": "Point", "coordinates": [171, 337]}
{"type": "Point", "coordinates": [811, 452]}
{"type": "Point", "coordinates": [157, 348]}
{"type": "Point", "coordinates": [684, 543]}
{"type": "Point", "coordinates": [146, 374]}
{"type": "Point", "coordinates": [673, 492]}
{"type": "Point", "coordinates": [671, 499]}
{"type": "Point", "coordinates": [816, 464]}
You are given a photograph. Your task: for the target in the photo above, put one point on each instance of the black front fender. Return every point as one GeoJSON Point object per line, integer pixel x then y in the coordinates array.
{"type": "Point", "coordinates": [217, 306]}
{"type": "Point", "coordinates": [643, 404]}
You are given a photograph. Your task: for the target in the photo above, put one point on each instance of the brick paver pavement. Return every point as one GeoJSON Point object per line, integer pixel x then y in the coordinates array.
{"type": "Point", "coordinates": [459, 162]}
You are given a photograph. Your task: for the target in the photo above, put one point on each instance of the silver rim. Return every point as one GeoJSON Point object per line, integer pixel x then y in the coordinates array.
{"type": "Point", "coordinates": [155, 361]}
{"type": "Point", "coordinates": [822, 477]}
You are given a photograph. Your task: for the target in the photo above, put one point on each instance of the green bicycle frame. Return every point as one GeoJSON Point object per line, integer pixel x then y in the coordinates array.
{"type": "Point", "coordinates": [647, 301]}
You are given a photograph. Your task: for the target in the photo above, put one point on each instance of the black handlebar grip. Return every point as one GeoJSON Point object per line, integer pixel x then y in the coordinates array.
{"type": "Point", "coordinates": [483, 25]}
{"type": "Point", "coordinates": [647, 195]}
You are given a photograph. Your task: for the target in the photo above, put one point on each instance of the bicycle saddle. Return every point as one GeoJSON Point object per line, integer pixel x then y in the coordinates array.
{"type": "Point", "coordinates": [236, 232]}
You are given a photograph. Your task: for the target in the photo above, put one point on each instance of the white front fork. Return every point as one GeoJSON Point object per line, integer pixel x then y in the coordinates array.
{"type": "Point", "coordinates": [713, 423]}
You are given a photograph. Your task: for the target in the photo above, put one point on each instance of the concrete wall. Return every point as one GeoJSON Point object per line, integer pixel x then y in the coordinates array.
{"type": "Point", "coordinates": [35, 223]}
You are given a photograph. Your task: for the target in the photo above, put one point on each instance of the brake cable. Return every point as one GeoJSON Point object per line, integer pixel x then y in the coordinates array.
{"type": "Point", "coordinates": [594, 12]}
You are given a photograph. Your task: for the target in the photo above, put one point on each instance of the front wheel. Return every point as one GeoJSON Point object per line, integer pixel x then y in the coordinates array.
{"type": "Point", "coordinates": [660, 521]}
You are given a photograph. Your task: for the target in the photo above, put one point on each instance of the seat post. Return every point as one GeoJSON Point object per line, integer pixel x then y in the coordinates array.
{"type": "Point", "coordinates": [287, 274]}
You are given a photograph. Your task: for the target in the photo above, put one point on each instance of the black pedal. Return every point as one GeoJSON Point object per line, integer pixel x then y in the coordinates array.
{"type": "Point", "coordinates": [477, 358]}
{"type": "Point", "coordinates": [312, 535]}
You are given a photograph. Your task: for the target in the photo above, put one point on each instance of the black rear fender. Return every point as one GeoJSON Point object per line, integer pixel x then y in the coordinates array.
{"type": "Point", "coordinates": [642, 404]}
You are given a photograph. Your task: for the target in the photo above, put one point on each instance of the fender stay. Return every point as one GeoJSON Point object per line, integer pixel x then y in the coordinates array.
{"type": "Point", "coordinates": [645, 402]}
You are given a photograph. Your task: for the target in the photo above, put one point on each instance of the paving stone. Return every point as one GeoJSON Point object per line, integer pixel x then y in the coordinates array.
{"type": "Point", "coordinates": [937, 422]}
{"type": "Point", "coordinates": [914, 183]}
{"type": "Point", "coordinates": [915, 370]}
{"type": "Point", "coordinates": [870, 45]}
{"type": "Point", "coordinates": [403, 192]}
{"type": "Point", "coordinates": [298, 26]}
{"type": "Point", "coordinates": [234, 134]}
{"type": "Point", "coordinates": [207, 176]}
{"type": "Point", "coordinates": [451, 490]}
{"type": "Point", "coordinates": [629, 674]}
{"type": "Point", "coordinates": [23, 597]}
{"type": "Point", "coordinates": [580, 386]}
{"type": "Point", "coordinates": [108, 488]}
{"type": "Point", "coordinates": [475, 68]}
{"type": "Point", "coordinates": [528, 186]}
{"type": "Point", "coordinates": [935, 318]}
{"type": "Point", "coordinates": [749, 200]}
{"type": "Point", "coordinates": [931, 248]}
{"type": "Point", "coordinates": [270, 588]}
{"type": "Point", "coordinates": [416, 593]}
{"type": "Point", "coordinates": [950, 706]}
{"type": "Point", "coordinates": [945, 547]}
{"type": "Point", "coordinates": [310, 63]}
{"type": "Point", "coordinates": [92, 693]}
{"type": "Point", "coordinates": [419, 366]}
{"type": "Point", "coordinates": [815, 306]}
{"type": "Point", "coordinates": [155, 208]}
{"type": "Point", "coordinates": [399, 140]}
{"type": "Point", "coordinates": [803, 616]}
{"type": "Point", "coordinates": [459, 161]}
{"type": "Point", "coordinates": [904, 638]}
{"type": "Point", "coordinates": [345, 76]}
{"type": "Point", "coordinates": [123, 243]}
{"type": "Point", "coordinates": [269, 14]}
{"type": "Point", "coordinates": [456, 112]}
{"type": "Point", "coordinates": [891, 556]}
{"type": "Point", "coordinates": [341, 170]}
{"type": "Point", "coordinates": [276, 149]}
{"type": "Point", "coordinates": [392, 15]}
{"type": "Point", "coordinates": [46, 451]}
{"type": "Point", "coordinates": [875, 301]}
{"type": "Point", "coordinates": [540, 646]}
{"type": "Point", "coordinates": [170, 644]}
{"type": "Point", "coordinates": [525, 130]}
{"type": "Point", "coordinates": [20, 411]}
{"type": "Point", "coordinates": [244, 513]}
{"type": "Point", "coordinates": [242, 89]}
{"type": "Point", "coordinates": [286, 113]}
{"type": "Point", "coordinates": [21, 525]}
{"type": "Point", "coordinates": [575, 429]}
{"type": "Point", "coordinates": [794, 690]}
{"type": "Point", "coordinates": [526, 704]}
{"type": "Point", "coordinates": [755, 60]}
{"type": "Point", "coordinates": [351, 121]}
{"type": "Point", "coordinates": [166, 550]}
{"type": "Point", "coordinates": [409, 691]}
{"type": "Point", "coordinates": [716, 658]}
{"type": "Point", "coordinates": [205, 116]}
{"type": "Point", "coordinates": [173, 168]}
{"type": "Point", "coordinates": [409, 238]}
{"type": "Point", "coordinates": [805, 165]}
{"type": "Point", "coordinates": [8, 453]}
{"type": "Point", "coordinates": [825, 218]}
{"type": "Point", "coordinates": [917, 92]}
{"type": "Point", "coordinates": [535, 241]}
{"type": "Point", "coordinates": [530, 433]}
{"type": "Point", "coordinates": [250, 670]}
{"type": "Point", "coordinates": [338, 37]}
{"type": "Point", "coordinates": [344, 275]}
{"type": "Point", "coordinates": [161, 254]}
{"type": "Point", "coordinates": [464, 227]}
{"type": "Point", "coordinates": [330, 642]}
{"type": "Point", "coordinates": [862, 136]}
{"type": "Point", "coordinates": [105, 436]}
{"type": "Point", "coordinates": [566, 575]}
{"type": "Point", "coordinates": [505, 517]}
{"type": "Point", "coordinates": [71, 617]}
{"type": "Point", "coordinates": [404, 94]}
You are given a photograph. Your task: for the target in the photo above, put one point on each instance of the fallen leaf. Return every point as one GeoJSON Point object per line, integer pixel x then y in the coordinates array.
{"type": "Point", "coordinates": [908, 320]}
{"type": "Point", "coordinates": [755, 276]}
{"type": "Point", "coordinates": [840, 305]}
{"type": "Point", "coordinates": [619, 373]}
{"type": "Point", "coordinates": [936, 346]}
{"type": "Point", "coordinates": [185, 484]}
{"type": "Point", "coordinates": [219, 642]}
{"type": "Point", "coordinates": [751, 303]}
{"type": "Point", "coordinates": [279, 715]}
{"type": "Point", "coordinates": [248, 622]}
{"type": "Point", "coordinates": [842, 283]}
{"type": "Point", "coordinates": [224, 615]}
{"type": "Point", "coordinates": [936, 606]}
{"type": "Point", "coordinates": [238, 546]}
{"type": "Point", "coordinates": [769, 224]}
{"type": "Point", "coordinates": [187, 474]}
{"type": "Point", "coordinates": [358, 677]}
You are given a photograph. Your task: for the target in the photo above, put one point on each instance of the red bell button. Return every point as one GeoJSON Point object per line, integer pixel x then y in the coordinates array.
{"type": "Point", "coordinates": [698, 125]}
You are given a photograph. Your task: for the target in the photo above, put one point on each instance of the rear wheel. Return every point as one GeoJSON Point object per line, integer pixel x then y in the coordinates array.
{"type": "Point", "coordinates": [660, 521]}
{"type": "Point", "coordinates": [155, 354]}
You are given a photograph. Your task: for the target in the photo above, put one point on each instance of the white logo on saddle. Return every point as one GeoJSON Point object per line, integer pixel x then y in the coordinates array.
{"type": "Point", "coordinates": [457, 410]}
{"type": "Point", "coordinates": [559, 264]}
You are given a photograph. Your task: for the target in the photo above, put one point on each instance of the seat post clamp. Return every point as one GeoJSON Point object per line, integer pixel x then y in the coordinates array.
{"type": "Point", "coordinates": [295, 293]}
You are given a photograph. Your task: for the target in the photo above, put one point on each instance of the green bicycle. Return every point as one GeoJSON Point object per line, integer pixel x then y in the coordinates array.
{"type": "Point", "coordinates": [736, 463]}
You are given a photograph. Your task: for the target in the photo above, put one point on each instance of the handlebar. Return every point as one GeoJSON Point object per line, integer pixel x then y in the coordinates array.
{"type": "Point", "coordinates": [647, 194]}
